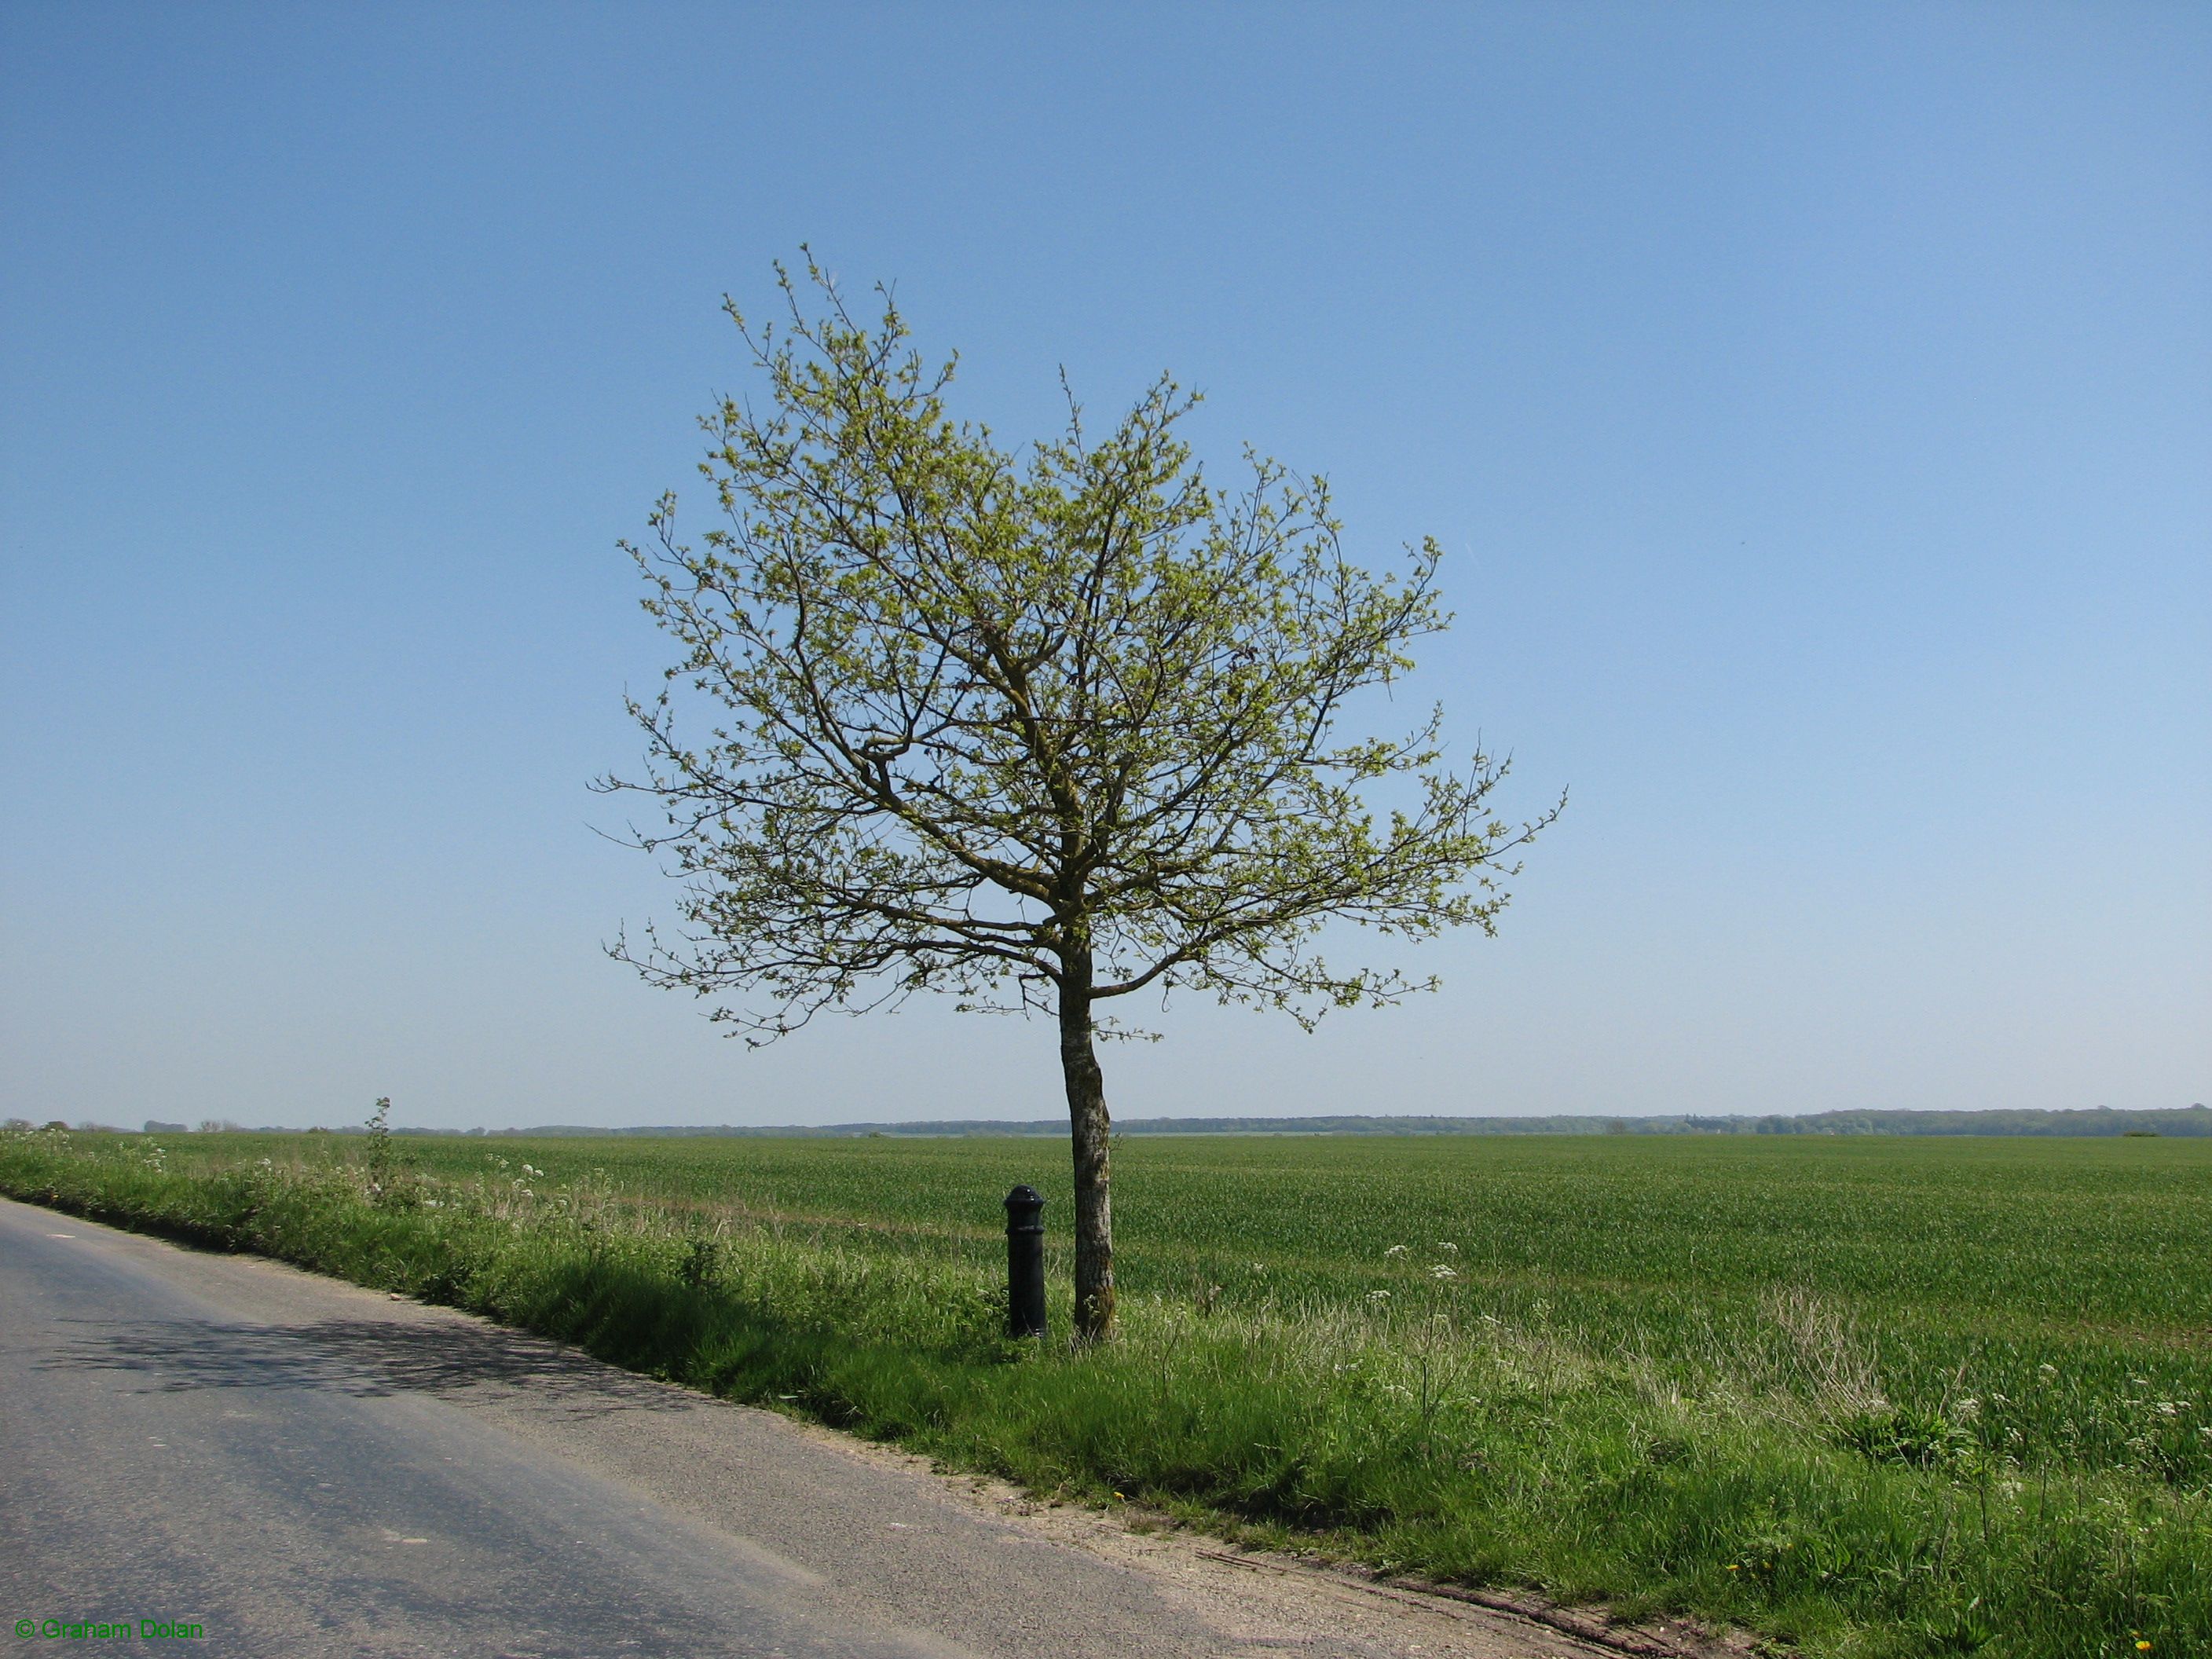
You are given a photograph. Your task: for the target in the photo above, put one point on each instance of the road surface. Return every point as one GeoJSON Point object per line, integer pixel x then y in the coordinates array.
{"type": "Point", "coordinates": [297, 1467]}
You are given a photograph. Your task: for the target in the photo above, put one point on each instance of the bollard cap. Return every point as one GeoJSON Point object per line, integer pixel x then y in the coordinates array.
{"type": "Point", "coordinates": [1024, 1203]}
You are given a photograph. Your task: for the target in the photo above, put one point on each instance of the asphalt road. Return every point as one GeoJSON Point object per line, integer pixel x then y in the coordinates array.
{"type": "Point", "coordinates": [297, 1466]}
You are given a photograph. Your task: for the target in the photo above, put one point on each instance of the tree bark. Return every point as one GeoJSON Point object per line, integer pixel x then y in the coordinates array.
{"type": "Point", "coordinates": [1090, 1125]}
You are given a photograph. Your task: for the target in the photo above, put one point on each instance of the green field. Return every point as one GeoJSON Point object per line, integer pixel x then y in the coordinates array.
{"type": "Point", "coordinates": [1870, 1395]}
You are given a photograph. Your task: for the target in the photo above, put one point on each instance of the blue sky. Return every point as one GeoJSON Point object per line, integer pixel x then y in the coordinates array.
{"type": "Point", "coordinates": [1815, 404]}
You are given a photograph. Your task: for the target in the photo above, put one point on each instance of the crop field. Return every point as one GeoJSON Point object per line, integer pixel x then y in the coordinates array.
{"type": "Point", "coordinates": [1867, 1395]}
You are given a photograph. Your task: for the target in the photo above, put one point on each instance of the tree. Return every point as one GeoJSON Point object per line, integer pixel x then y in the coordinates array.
{"type": "Point", "coordinates": [1045, 730]}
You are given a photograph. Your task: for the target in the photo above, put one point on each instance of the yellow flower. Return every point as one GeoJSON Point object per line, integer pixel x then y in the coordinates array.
{"type": "Point", "coordinates": [2142, 1647]}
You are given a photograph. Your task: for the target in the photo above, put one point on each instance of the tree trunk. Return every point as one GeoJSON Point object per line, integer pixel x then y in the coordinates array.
{"type": "Point", "coordinates": [1087, 1120]}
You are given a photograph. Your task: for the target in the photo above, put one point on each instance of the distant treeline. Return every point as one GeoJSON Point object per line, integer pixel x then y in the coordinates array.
{"type": "Point", "coordinates": [2195, 1119]}
{"type": "Point", "coordinates": [2102, 1120]}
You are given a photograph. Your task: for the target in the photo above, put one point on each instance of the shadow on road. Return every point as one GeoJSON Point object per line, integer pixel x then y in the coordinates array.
{"type": "Point", "coordinates": [363, 1358]}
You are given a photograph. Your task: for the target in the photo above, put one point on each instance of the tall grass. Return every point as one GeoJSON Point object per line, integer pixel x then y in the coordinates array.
{"type": "Point", "coordinates": [1861, 1402]}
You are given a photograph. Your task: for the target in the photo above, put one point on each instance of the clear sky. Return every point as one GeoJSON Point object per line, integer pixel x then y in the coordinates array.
{"type": "Point", "coordinates": [1816, 403]}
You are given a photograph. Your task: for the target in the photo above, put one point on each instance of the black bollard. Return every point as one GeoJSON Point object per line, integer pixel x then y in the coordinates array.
{"type": "Point", "coordinates": [1025, 1263]}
